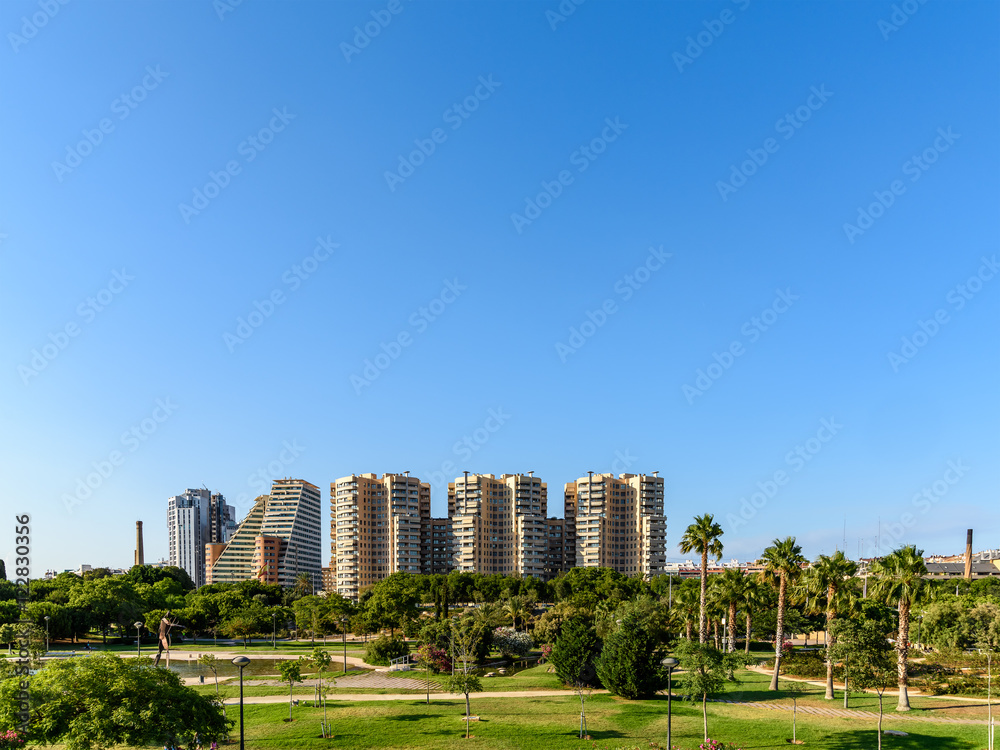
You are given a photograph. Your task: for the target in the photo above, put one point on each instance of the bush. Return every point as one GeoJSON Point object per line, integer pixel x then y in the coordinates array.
{"type": "Point", "coordinates": [808, 664]}
{"type": "Point", "coordinates": [436, 658]}
{"type": "Point", "coordinates": [629, 664]}
{"type": "Point", "coordinates": [575, 652]}
{"type": "Point", "coordinates": [384, 649]}
{"type": "Point", "coordinates": [511, 643]}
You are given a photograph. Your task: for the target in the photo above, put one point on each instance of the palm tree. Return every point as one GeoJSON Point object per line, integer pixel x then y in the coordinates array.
{"type": "Point", "coordinates": [753, 597]}
{"type": "Point", "coordinates": [303, 584]}
{"type": "Point", "coordinates": [517, 608]}
{"type": "Point", "coordinates": [731, 592]}
{"type": "Point", "coordinates": [826, 581]}
{"type": "Point", "coordinates": [782, 560]}
{"type": "Point", "coordinates": [686, 604]}
{"type": "Point", "coordinates": [899, 579]}
{"type": "Point", "coordinates": [703, 536]}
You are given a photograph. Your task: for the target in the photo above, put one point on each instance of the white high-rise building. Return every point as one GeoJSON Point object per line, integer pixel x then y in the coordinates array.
{"type": "Point", "coordinates": [194, 519]}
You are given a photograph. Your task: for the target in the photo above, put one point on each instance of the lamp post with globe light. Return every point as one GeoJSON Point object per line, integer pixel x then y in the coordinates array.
{"type": "Point", "coordinates": [138, 643]}
{"type": "Point", "coordinates": [241, 661]}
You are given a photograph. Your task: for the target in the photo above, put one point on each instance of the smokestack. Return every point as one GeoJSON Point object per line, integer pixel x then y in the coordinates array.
{"type": "Point", "coordinates": [138, 543]}
{"type": "Point", "coordinates": [968, 555]}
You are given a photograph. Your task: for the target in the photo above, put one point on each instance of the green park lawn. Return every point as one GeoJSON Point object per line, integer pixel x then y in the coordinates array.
{"type": "Point", "coordinates": [553, 722]}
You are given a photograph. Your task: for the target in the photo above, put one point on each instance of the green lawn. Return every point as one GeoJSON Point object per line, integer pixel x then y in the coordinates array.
{"type": "Point", "coordinates": [552, 723]}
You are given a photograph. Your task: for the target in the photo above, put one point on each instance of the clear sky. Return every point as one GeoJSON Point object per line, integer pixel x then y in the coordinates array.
{"type": "Point", "coordinates": [249, 240]}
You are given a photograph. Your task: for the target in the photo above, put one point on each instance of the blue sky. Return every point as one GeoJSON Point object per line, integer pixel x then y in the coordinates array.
{"type": "Point", "coordinates": [671, 181]}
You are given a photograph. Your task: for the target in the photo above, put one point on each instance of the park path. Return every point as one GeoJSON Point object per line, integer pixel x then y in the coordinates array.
{"type": "Point", "coordinates": [415, 696]}
{"type": "Point", "coordinates": [845, 713]}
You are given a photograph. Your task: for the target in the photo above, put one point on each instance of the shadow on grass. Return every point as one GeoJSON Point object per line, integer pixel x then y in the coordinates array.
{"type": "Point", "coordinates": [867, 739]}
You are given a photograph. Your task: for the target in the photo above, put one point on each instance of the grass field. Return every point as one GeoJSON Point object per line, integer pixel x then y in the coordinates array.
{"type": "Point", "coordinates": [553, 724]}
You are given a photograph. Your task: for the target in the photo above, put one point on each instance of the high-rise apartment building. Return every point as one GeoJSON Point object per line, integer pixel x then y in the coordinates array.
{"type": "Point", "coordinates": [618, 522]}
{"type": "Point", "coordinates": [559, 555]}
{"type": "Point", "coordinates": [439, 548]}
{"type": "Point", "coordinates": [279, 539]}
{"type": "Point", "coordinates": [499, 525]}
{"type": "Point", "coordinates": [377, 526]}
{"type": "Point", "coordinates": [194, 519]}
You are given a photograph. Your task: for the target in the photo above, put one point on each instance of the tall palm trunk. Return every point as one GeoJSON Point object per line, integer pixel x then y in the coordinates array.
{"type": "Point", "coordinates": [779, 636]}
{"type": "Point", "coordinates": [830, 593]}
{"type": "Point", "coordinates": [689, 626]}
{"type": "Point", "coordinates": [703, 614]}
{"type": "Point", "coordinates": [903, 649]}
{"type": "Point", "coordinates": [715, 633]}
{"type": "Point", "coordinates": [749, 631]}
{"type": "Point", "coordinates": [732, 627]}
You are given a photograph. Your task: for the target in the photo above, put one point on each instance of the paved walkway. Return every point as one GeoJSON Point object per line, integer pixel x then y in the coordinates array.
{"type": "Point", "coordinates": [373, 680]}
{"type": "Point", "coordinates": [841, 713]}
{"type": "Point", "coordinates": [415, 696]}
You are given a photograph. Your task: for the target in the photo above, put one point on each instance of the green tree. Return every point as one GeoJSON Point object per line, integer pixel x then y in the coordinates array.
{"type": "Point", "coordinates": [629, 664]}
{"type": "Point", "coordinates": [704, 537]}
{"type": "Point", "coordinates": [782, 561]}
{"type": "Point", "coordinates": [575, 653]}
{"type": "Point", "coordinates": [464, 679]}
{"type": "Point", "coordinates": [391, 601]}
{"type": "Point", "coordinates": [103, 598]}
{"type": "Point", "coordinates": [703, 675]}
{"type": "Point", "coordinates": [321, 660]}
{"type": "Point", "coordinates": [291, 672]}
{"type": "Point", "coordinates": [867, 653]}
{"type": "Point", "coordinates": [211, 661]}
{"type": "Point", "coordinates": [899, 580]}
{"type": "Point", "coordinates": [517, 608]}
{"type": "Point", "coordinates": [828, 580]}
{"type": "Point", "coordinates": [126, 703]}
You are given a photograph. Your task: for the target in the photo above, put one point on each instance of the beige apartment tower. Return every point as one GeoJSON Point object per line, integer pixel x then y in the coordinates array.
{"type": "Point", "coordinates": [376, 528]}
{"type": "Point", "coordinates": [499, 525]}
{"type": "Point", "coordinates": [617, 522]}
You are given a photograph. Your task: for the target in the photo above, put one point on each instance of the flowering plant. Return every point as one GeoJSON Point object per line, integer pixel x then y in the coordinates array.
{"type": "Point", "coordinates": [10, 739]}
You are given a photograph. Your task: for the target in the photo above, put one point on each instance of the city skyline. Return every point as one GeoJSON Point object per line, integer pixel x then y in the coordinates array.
{"type": "Point", "coordinates": [750, 245]}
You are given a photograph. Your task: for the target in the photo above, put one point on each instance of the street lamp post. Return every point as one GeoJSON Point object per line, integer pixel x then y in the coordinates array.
{"type": "Point", "coordinates": [46, 634]}
{"type": "Point", "coordinates": [274, 630]}
{"type": "Point", "coordinates": [138, 645]}
{"type": "Point", "coordinates": [670, 663]}
{"type": "Point", "coordinates": [241, 661]}
{"type": "Point", "coordinates": [343, 623]}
